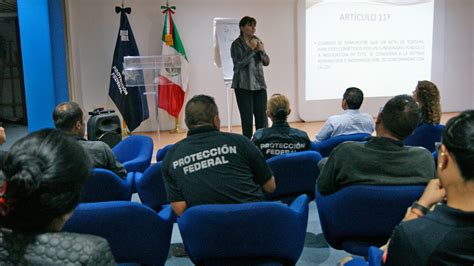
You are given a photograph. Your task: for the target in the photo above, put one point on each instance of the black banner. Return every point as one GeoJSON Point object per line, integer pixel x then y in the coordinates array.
{"type": "Point", "coordinates": [131, 101]}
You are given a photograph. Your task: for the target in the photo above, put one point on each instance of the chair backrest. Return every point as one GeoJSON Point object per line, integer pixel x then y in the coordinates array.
{"type": "Point", "coordinates": [105, 185]}
{"type": "Point", "coordinates": [225, 233]}
{"type": "Point", "coordinates": [325, 147]}
{"type": "Point", "coordinates": [360, 216]}
{"type": "Point", "coordinates": [160, 154]}
{"type": "Point", "coordinates": [295, 174]}
{"type": "Point", "coordinates": [135, 153]}
{"type": "Point", "coordinates": [151, 188]}
{"type": "Point", "coordinates": [136, 233]}
{"type": "Point", "coordinates": [435, 157]}
{"type": "Point", "coordinates": [425, 135]}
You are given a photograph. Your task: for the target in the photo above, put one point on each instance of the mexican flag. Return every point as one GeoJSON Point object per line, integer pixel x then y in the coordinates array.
{"type": "Point", "coordinates": [173, 82]}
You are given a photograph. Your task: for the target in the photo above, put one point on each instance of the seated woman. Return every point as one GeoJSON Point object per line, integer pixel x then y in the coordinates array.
{"type": "Point", "coordinates": [41, 181]}
{"type": "Point", "coordinates": [445, 235]}
{"type": "Point", "coordinates": [280, 138]}
{"type": "Point", "coordinates": [429, 130]}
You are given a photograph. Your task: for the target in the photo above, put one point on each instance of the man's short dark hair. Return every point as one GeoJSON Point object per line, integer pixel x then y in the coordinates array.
{"type": "Point", "coordinates": [354, 97]}
{"type": "Point", "coordinates": [200, 110]}
{"type": "Point", "coordinates": [66, 115]}
{"type": "Point", "coordinates": [401, 115]}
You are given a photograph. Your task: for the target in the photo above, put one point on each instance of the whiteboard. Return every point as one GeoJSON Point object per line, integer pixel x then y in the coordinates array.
{"type": "Point", "coordinates": [226, 30]}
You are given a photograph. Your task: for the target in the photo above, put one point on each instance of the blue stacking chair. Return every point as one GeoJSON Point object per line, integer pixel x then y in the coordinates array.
{"type": "Point", "coordinates": [374, 259]}
{"type": "Point", "coordinates": [151, 188]}
{"type": "Point", "coordinates": [359, 216]}
{"type": "Point", "coordinates": [295, 174]}
{"type": "Point", "coordinates": [105, 185]}
{"type": "Point", "coordinates": [160, 154]}
{"type": "Point", "coordinates": [325, 147]}
{"type": "Point", "coordinates": [136, 233]}
{"type": "Point", "coordinates": [268, 233]}
{"type": "Point", "coordinates": [135, 153]}
{"type": "Point", "coordinates": [425, 135]}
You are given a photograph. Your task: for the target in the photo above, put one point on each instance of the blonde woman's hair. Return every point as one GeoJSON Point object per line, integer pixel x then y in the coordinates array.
{"type": "Point", "coordinates": [278, 106]}
{"type": "Point", "coordinates": [427, 96]}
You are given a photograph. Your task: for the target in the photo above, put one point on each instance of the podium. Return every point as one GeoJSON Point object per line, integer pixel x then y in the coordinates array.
{"type": "Point", "coordinates": [151, 68]}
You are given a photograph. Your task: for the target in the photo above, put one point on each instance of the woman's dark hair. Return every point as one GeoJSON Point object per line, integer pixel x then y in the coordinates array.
{"type": "Point", "coordinates": [44, 174]}
{"type": "Point", "coordinates": [247, 21]}
{"type": "Point", "coordinates": [458, 137]}
{"type": "Point", "coordinates": [427, 95]}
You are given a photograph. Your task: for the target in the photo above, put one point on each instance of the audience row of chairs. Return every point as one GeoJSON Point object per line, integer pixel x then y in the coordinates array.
{"type": "Point", "coordinates": [135, 152]}
{"type": "Point", "coordinates": [352, 219]}
{"type": "Point", "coordinates": [348, 226]}
{"type": "Point", "coordinates": [104, 185]}
{"type": "Point", "coordinates": [274, 232]}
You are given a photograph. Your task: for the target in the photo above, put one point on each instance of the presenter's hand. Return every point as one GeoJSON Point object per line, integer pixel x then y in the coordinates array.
{"type": "Point", "coordinates": [253, 43]}
{"type": "Point", "coordinates": [260, 46]}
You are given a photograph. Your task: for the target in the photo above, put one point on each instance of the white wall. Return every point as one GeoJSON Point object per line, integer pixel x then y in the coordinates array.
{"type": "Point", "coordinates": [93, 25]}
{"type": "Point", "coordinates": [452, 54]}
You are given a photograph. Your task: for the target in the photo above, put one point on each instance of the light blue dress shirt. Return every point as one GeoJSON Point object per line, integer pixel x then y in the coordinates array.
{"type": "Point", "coordinates": [350, 122]}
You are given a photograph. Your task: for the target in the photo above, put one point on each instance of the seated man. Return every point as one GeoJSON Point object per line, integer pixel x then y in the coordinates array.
{"type": "Point", "coordinates": [69, 118]}
{"type": "Point", "coordinates": [280, 138]}
{"type": "Point", "coordinates": [382, 160]}
{"type": "Point", "coordinates": [211, 167]}
{"type": "Point", "coordinates": [351, 121]}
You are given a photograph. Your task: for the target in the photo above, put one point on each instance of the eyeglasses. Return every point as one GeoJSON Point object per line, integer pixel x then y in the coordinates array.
{"type": "Point", "coordinates": [437, 146]}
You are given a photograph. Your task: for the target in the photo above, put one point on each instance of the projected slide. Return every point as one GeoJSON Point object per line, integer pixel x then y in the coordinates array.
{"type": "Point", "coordinates": [381, 46]}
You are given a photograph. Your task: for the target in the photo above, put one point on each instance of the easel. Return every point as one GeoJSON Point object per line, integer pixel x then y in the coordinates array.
{"type": "Point", "coordinates": [230, 102]}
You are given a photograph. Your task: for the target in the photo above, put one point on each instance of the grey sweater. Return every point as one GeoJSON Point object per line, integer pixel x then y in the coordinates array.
{"type": "Point", "coordinates": [53, 249]}
{"type": "Point", "coordinates": [379, 161]}
{"type": "Point", "coordinates": [248, 66]}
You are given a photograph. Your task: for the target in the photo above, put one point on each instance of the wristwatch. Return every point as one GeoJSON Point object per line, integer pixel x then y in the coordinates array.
{"type": "Point", "coordinates": [419, 207]}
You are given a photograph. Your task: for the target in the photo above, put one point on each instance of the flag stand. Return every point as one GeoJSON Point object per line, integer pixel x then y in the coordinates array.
{"type": "Point", "coordinates": [177, 129]}
{"type": "Point", "coordinates": [125, 132]}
